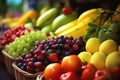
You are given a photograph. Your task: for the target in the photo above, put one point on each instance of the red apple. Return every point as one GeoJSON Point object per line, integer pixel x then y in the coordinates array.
{"type": "Point", "coordinates": [103, 74]}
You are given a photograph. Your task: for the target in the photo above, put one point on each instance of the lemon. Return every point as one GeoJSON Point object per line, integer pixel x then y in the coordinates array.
{"type": "Point", "coordinates": [85, 56]}
{"type": "Point", "coordinates": [108, 46]}
{"type": "Point", "coordinates": [98, 59]}
{"type": "Point", "coordinates": [92, 45]}
{"type": "Point", "coordinates": [113, 60]}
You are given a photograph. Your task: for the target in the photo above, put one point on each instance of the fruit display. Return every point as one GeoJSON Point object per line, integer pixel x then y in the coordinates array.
{"type": "Point", "coordinates": [62, 44]}
{"type": "Point", "coordinates": [23, 44]}
{"type": "Point", "coordinates": [49, 51]}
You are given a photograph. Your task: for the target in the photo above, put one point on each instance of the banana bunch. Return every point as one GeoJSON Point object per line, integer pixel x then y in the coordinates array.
{"type": "Point", "coordinates": [79, 27]}
{"type": "Point", "coordinates": [47, 17]}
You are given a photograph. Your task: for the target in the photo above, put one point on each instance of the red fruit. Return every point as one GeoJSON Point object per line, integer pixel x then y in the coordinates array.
{"type": "Point", "coordinates": [91, 66]}
{"type": "Point", "coordinates": [69, 76]}
{"type": "Point", "coordinates": [87, 74]}
{"type": "Point", "coordinates": [71, 63]}
{"type": "Point", "coordinates": [101, 78]}
{"type": "Point", "coordinates": [104, 72]}
{"type": "Point", "coordinates": [52, 71]}
{"type": "Point", "coordinates": [53, 57]}
{"type": "Point", "coordinates": [67, 10]}
{"type": "Point", "coordinates": [116, 73]}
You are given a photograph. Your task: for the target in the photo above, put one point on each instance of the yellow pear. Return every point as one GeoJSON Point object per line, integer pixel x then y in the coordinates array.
{"type": "Point", "coordinates": [85, 56]}
{"type": "Point", "coordinates": [98, 59]}
{"type": "Point", "coordinates": [92, 45]}
{"type": "Point", "coordinates": [113, 60]}
{"type": "Point", "coordinates": [108, 46]}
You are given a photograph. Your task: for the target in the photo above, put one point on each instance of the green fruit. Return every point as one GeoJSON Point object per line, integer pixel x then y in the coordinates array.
{"type": "Point", "coordinates": [47, 28]}
{"type": "Point", "coordinates": [29, 25]}
{"type": "Point", "coordinates": [114, 27]}
{"type": "Point", "coordinates": [47, 17]}
{"type": "Point", "coordinates": [63, 19]}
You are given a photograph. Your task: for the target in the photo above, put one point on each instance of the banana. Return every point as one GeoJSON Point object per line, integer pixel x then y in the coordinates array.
{"type": "Point", "coordinates": [77, 30]}
{"type": "Point", "coordinates": [89, 13]}
{"type": "Point", "coordinates": [82, 25]}
{"type": "Point", "coordinates": [46, 17]}
{"type": "Point", "coordinates": [63, 19]}
{"type": "Point", "coordinates": [31, 14]}
{"type": "Point", "coordinates": [66, 26]}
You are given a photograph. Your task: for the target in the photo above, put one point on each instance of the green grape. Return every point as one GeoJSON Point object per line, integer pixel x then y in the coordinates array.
{"type": "Point", "coordinates": [20, 47]}
{"type": "Point", "coordinates": [26, 32]}
{"type": "Point", "coordinates": [29, 40]}
{"type": "Point", "coordinates": [14, 44]}
{"type": "Point", "coordinates": [25, 50]}
{"type": "Point", "coordinates": [14, 55]}
{"type": "Point", "coordinates": [23, 43]}
{"type": "Point", "coordinates": [18, 51]}
{"type": "Point", "coordinates": [28, 45]}
{"type": "Point", "coordinates": [23, 38]}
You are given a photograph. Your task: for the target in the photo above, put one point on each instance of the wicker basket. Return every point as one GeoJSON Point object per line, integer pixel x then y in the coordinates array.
{"type": "Point", "coordinates": [8, 62]}
{"type": "Point", "coordinates": [40, 77]}
{"type": "Point", "coordinates": [1, 55]}
{"type": "Point", "coordinates": [23, 75]}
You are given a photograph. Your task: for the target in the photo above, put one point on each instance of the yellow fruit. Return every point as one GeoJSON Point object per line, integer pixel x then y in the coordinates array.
{"type": "Point", "coordinates": [66, 26]}
{"type": "Point", "coordinates": [92, 45]}
{"type": "Point", "coordinates": [85, 56]}
{"type": "Point", "coordinates": [108, 46]}
{"type": "Point", "coordinates": [98, 59]}
{"type": "Point", "coordinates": [113, 60]}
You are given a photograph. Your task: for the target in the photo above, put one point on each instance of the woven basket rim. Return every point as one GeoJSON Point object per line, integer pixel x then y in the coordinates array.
{"type": "Point", "coordinates": [40, 76]}
{"type": "Point", "coordinates": [25, 73]}
{"type": "Point", "coordinates": [6, 54]}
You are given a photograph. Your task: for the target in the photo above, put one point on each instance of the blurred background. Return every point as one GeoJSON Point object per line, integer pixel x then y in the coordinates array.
{"type": "Point", "coordinates": [17, 7]}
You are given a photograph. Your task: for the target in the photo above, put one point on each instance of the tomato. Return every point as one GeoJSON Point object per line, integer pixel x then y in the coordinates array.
{"type": "Point", "coordinates": [52, 71]}
{"type": "Point", "coordinates": [67, 10]}
{"type": "Point", "coordinates": [71, 63]}
{"type": "Point", "coordinates": [87, 74]}
{"type": "Point", "coordinates": [69, 76]}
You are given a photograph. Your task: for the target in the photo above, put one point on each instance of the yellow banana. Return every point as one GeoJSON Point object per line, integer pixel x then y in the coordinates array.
{"type": "Point", "coordinates": [81, 28]}
{"type": "Point", "coordinates": [89, 13]}
{"type": "Point", "coordinates": [66, 26]}
{"type": "Point", "coordinates": [78, 30]}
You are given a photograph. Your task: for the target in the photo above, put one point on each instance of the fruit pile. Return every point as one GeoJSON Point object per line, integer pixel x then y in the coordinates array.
{"type": "Point", "coordinates": [71, 68]}
{"type": "Point", "coordinates": [66, 46]}
{"type": "Point", "coordinates": [10, 35]}
{"type": "Point", "coordinates": [49, 51]}
{"type": "Point", "coordinates": [23, 44]}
